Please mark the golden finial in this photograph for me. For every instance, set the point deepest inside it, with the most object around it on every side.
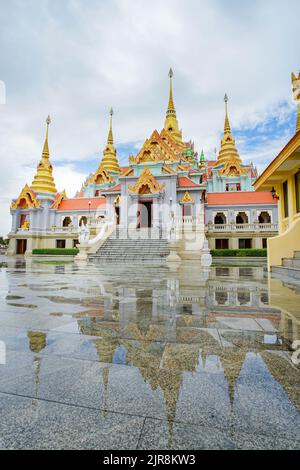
(226, 124)
(171, 107)
(110, 139)
(45, 153)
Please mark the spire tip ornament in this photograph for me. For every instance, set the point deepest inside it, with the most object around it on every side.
(170, 73)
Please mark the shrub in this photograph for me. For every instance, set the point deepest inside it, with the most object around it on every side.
(247, 252)
(55, 251)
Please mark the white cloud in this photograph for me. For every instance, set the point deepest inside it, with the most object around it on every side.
(74, 62)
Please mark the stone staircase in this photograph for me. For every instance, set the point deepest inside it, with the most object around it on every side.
(290, 267)
(133, 245)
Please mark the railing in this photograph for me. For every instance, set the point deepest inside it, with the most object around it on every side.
(256, 227)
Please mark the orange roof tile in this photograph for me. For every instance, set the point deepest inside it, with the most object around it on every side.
(184, 182)
(116, 188)
(240, 197)
(82, 204)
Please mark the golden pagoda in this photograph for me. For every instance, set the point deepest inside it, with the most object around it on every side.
(43, 181)
(171, 124)
(228, 149)
(109, 160)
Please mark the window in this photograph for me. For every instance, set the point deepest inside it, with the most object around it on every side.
(75, 242)
(60, 243)
(297, 187)
(245, 243)
(221, 272)
(83, 220)
(285, 199)
(241, 218)
(97, 192)
(221, 297)
(264, 218)
(264, 243)
(67, 221)
(220, 218)
(222, 243)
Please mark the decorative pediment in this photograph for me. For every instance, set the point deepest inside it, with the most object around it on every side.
(146, 184)
(186, 198)
(157, 148)
(101, 176)
(117, 201)
(59, 198)
(26, 199)
(233, 167)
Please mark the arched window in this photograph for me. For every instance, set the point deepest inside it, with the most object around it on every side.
(67, 221)
(264, 218)
(220, 218)
(241, 218)
(82, 220)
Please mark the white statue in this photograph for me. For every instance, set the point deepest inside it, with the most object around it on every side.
(84, 234)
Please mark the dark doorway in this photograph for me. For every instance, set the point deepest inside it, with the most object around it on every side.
(144, 214)
(117, 211)
(21, 247)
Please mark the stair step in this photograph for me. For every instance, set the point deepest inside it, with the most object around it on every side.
(132, 246)
(286, 271)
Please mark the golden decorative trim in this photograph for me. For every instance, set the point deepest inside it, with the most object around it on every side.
(58, 201)
(28, 196)
(146, 184)
(186, 198)
(233, 167)
(101, 176)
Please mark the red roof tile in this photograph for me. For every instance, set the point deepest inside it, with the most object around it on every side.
(116, 188)
(82, 204)
(184, 182)
(241, 197)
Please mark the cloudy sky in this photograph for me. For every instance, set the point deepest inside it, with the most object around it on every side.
(75, 59)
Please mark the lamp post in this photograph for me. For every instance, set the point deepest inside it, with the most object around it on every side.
(274, 194)
(89, 207)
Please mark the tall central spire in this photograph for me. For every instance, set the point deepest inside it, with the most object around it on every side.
(43, 181)
(171, 107)
(171, 123)
(109, 160)
(227, 129)
(228, 151)
(110, 139)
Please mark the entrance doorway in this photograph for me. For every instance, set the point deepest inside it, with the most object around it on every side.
(144, 217)
(21, 246)
(117, 212)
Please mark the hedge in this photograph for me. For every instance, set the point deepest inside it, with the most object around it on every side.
(55, 251)
(254, 253)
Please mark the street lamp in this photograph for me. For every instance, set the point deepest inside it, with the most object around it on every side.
(90, 202)
(273, 192)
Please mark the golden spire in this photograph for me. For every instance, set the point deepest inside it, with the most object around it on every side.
(109, 160)
(228, 152)
(43, 180)
(171, 107)
(110, 139)
(226, 123)
(171, 123)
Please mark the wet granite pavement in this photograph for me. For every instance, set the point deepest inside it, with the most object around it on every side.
(147, 357)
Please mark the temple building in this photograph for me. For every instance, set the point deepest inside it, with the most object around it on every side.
(282, 179)
(166, 190)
